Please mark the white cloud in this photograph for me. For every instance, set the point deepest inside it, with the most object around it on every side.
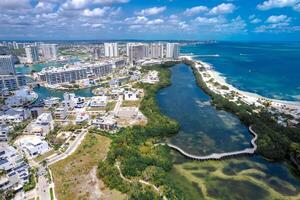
(155, 22)
(236, 25)
(81, 4)
(270, 4)
(44, 7)
(95, 12)
(110, 1)
(151, 11)
(278, 19)
(255, 21)
(297, 7)
(75, 4)
(14, 4)
(97, 26)
(277, 28)
(137, 20)
(195, 10)
(208, 21)
(49, 15)
(224, 8)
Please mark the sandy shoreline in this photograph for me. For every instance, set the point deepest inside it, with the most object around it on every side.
(287, 107)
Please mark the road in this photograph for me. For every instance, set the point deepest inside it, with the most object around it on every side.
(73, 146)
(118, 105)
(43, 186)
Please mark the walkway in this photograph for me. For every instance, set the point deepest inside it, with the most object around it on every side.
(140, 181)
(218, 156)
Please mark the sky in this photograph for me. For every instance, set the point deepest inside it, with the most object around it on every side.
(233, 20)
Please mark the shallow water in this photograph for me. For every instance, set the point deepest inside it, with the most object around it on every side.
(204, 129)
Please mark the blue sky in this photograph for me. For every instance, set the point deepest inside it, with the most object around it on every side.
(150, 19)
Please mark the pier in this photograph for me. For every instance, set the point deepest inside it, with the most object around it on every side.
(218, 156)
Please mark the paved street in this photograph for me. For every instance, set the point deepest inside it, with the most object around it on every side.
(43, 186)
(73, 146)
(118, 105)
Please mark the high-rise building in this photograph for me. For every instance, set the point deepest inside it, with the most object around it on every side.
(111, 50)
(49, 51)
(156, 50)
(8, 77)
(15, 45)
(7, 66)
(97, 53)
(172, 50)
(137, 51)
(32, 54)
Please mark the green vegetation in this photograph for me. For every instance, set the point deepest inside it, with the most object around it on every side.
(32, 180)
(235, 179)
(274, 141)
(55, 141)
(51, 194)
(133, 148)
(72, 176)
(131, 103)
(42, 157)
(18, 130)
(110, 106)
(7, 194)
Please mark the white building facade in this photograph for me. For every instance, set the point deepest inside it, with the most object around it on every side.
(111, 50)
(32, 54)
(137, 51)
(7, 66)
(172, 50)
(49, 51)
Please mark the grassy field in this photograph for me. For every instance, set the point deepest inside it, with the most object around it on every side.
(43, 156)
(76, 176)
(110, 106)
(131, 103)
(235, 179)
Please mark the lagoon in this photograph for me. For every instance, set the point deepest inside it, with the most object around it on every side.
(205, 130)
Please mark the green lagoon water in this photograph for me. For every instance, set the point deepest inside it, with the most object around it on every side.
(205, 130)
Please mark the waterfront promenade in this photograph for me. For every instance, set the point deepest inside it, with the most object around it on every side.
(218, 156)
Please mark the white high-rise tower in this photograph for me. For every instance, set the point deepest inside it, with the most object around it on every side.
(111, 50)
(172, 50)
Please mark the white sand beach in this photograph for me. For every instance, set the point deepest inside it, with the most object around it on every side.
(287, 107)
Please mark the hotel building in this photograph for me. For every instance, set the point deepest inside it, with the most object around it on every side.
(79, 71)
(137, 51)
(157, 50)
(111, 50)
(172, 50)
(8, 77)
(49, 51)
(7, 66)
(32, 54)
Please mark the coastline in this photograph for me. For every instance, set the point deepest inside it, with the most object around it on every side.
(283, 106)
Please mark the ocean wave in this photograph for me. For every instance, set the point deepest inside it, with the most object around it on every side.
(209, 55)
